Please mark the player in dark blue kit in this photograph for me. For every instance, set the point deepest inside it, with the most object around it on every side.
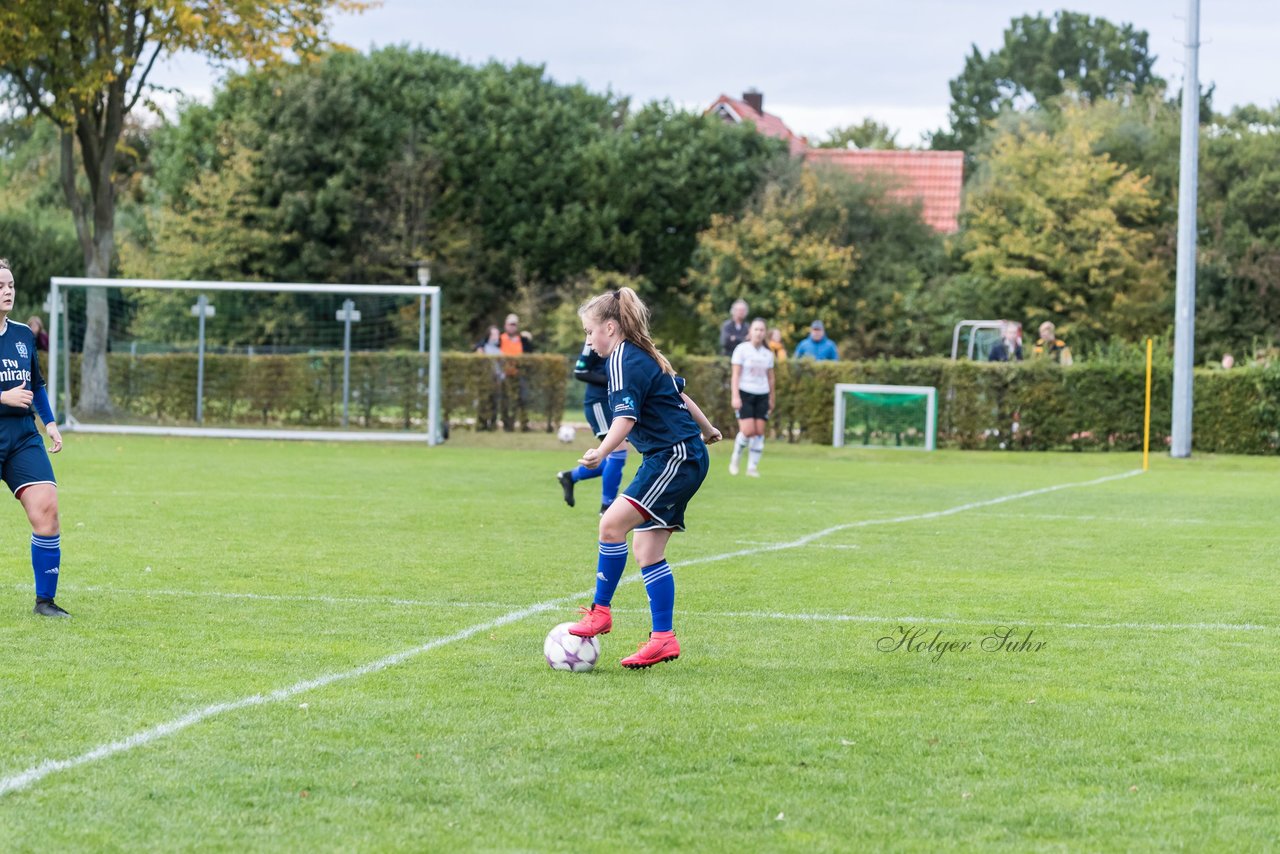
(649, 408)
(24, 465)
(590, 370)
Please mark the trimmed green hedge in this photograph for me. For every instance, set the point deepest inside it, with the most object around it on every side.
(387, 390)
(1089, 405)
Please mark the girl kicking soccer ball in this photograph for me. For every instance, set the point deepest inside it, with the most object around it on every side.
(649, 408)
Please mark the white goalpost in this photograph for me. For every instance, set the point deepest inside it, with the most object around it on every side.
(885, 416)
(255, 360)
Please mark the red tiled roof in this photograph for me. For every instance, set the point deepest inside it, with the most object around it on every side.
(934, 177)
(767, 123)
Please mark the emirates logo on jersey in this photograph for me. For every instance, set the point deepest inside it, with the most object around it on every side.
(22, 349)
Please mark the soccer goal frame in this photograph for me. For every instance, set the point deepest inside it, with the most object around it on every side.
(930, 393)
(59, 357)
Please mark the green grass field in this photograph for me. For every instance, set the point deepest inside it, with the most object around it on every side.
(228, 682)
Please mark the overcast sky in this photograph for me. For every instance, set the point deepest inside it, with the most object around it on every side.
(820, 64)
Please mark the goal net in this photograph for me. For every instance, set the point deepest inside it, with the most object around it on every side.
(247, 359)
(885, 416)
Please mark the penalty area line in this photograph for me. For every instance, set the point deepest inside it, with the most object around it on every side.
(36, 773)
(44, 769)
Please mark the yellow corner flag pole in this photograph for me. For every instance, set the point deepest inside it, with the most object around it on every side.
(1146, 417)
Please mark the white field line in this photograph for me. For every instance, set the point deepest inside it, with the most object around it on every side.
(36, 773)
(274, 597)
(1124, 520)
(816, 546)
(897, 520)
(810, 616)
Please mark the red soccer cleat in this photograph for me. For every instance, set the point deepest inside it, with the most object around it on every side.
(596, 620)
(661, 646)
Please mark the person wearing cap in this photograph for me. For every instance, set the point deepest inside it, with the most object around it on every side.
(817, 346)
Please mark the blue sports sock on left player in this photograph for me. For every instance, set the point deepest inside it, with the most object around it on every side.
(609, 569)
(613, 465)
(661, 587)
(584, 473)
(46, 554)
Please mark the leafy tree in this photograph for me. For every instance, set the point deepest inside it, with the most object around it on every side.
(889, 302)
(1040, 59)
(870, 134)
(1238, 251)
(510, 183)
(672, 173)
(777, 258)
(1238, 275)
(1055, 231)
(36, 234)
(37, 251)
(84, 66)
(862, 261)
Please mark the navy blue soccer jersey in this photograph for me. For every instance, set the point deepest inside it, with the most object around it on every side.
(19, 367)
(590, 370)
(641, 391)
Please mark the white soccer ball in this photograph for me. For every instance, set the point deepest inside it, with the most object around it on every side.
(567, 433)
(570, 652)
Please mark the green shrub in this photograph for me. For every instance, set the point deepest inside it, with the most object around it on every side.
(388, 390)
(1095, 405)
(1089, 405)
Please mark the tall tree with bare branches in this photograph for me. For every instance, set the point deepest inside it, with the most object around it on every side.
(84, 65)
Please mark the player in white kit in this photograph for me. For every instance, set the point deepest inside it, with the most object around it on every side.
(753, 396)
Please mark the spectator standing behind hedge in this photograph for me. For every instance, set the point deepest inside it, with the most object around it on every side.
(487, 418)
(817, 346)
(490, 345)
(37, 329)
(778, 349)
(734, 331)
(1049, 344)
(514, 342)
(1009, 347)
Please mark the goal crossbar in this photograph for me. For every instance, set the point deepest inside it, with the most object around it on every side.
(57, 305)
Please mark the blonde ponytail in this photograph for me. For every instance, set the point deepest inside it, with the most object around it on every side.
(625, 308)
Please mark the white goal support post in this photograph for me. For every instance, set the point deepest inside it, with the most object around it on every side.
(885, 416)
(253, 360)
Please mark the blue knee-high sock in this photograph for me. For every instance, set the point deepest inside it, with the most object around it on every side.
(584, 473)
(613, 465)
(46, 554)
(661, 587)
(609, 569)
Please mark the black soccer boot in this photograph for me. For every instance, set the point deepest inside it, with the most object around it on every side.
(48, 608)
(566, 483)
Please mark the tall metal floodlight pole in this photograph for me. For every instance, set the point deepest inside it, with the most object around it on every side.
(1184, 328)
(201, 309)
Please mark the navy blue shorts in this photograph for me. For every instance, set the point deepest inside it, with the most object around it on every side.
(665, 482)
(599, 417)
(23, 459)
